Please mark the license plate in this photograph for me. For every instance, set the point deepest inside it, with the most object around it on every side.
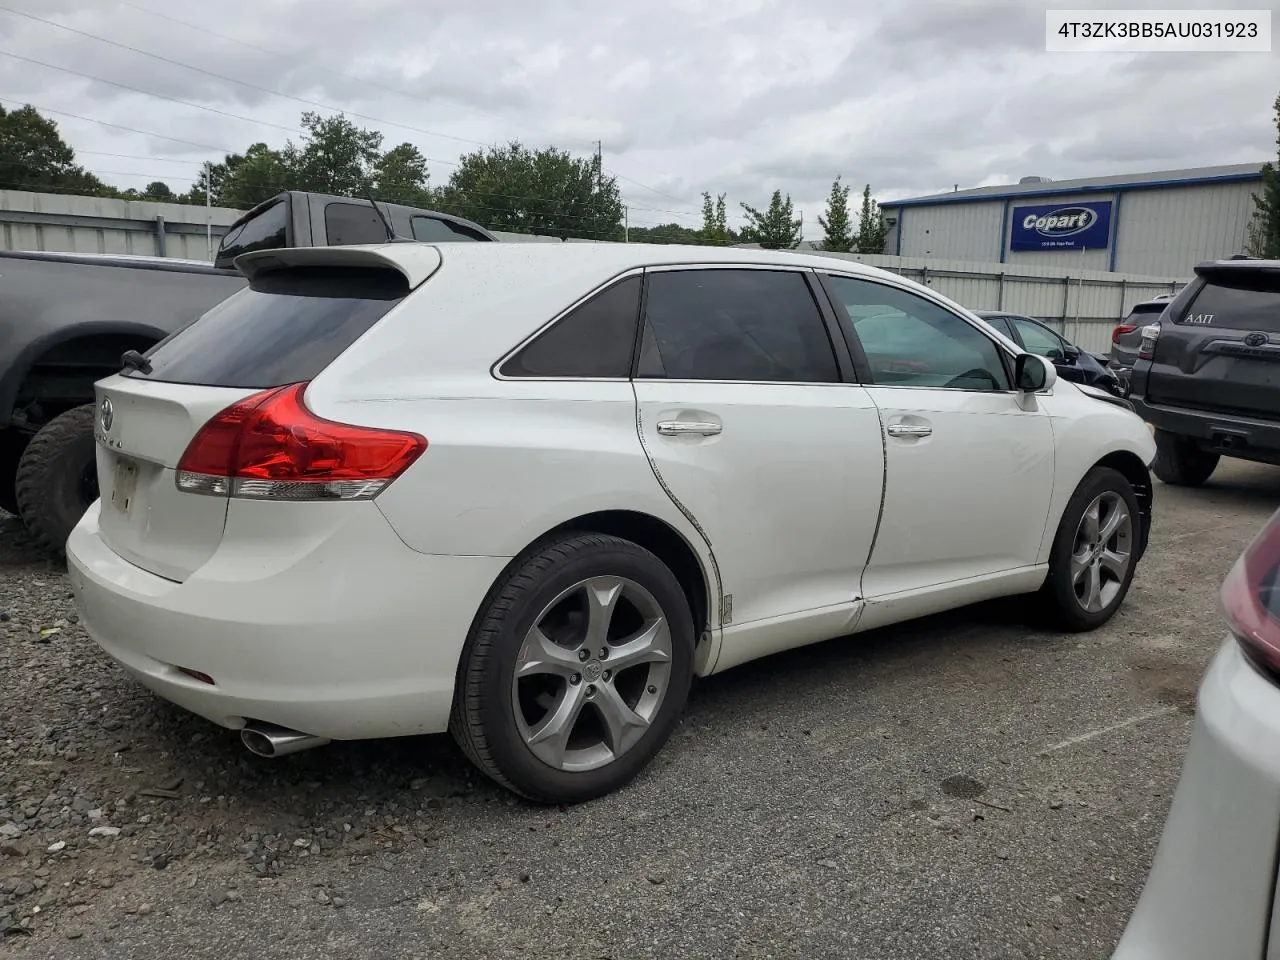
(126, 483)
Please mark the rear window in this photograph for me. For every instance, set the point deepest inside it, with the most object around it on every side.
(1147, 309)
(1247, 301)
(266, 230)
(285, 327)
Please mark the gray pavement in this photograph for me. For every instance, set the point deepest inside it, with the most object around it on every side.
(967, 786)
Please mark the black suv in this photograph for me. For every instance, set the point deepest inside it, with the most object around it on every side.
(1208, 375)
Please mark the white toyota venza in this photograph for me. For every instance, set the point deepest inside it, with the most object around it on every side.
(527, 492)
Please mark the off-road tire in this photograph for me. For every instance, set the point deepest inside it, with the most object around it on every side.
(12, 443)
(483, 721)
(50, 480)
(1058, 597)
(1180, 462)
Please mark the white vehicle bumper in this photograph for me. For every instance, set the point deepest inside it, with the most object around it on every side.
(1210, 890)
(347, 634)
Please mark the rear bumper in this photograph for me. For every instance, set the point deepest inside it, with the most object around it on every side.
(1212, 428)
(348, 635)
(1210, 890)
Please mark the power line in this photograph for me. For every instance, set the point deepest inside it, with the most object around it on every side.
(148, 93)
(227, 79)
(268, 90)
(117, 126)
(309, 63)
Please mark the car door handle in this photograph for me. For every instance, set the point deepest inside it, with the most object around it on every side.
(698, 428)
(909, 430)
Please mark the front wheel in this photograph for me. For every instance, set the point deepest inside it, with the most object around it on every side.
(576, 671)
(1094, 552)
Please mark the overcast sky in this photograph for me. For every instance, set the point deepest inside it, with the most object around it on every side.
(734, 96)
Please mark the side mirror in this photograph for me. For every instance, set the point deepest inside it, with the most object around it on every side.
(1071, 352)
(1033, 373)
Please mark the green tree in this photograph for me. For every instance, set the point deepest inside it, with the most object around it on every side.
(545, 191)
(666, 233)
(243, 180)
(715, 222)
(777, 228)
(871, 228)
(335, 156)
(400, 176)
(159, 191)
(33, 156)
(837, 226)
(1264, 230)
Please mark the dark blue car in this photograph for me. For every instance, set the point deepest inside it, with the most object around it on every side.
(1072, 363)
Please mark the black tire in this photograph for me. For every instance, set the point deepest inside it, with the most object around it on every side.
(1180, 462)
(57, 478)
(1062, 604)
(484, 722)
(12, 443)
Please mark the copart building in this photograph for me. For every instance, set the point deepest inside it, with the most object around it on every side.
(1155, 224)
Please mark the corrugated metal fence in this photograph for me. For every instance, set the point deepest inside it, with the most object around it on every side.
(1083, 305)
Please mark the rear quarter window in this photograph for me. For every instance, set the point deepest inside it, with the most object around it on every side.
(285, 327)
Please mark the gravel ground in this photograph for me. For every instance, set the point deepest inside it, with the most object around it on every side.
(966, 786)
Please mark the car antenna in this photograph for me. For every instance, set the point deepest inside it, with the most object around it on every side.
(391, 234)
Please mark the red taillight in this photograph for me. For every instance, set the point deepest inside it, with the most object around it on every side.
(1121, 330)
(270, 446)
(1251, 598)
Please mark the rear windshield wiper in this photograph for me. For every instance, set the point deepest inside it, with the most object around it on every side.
(136, 361)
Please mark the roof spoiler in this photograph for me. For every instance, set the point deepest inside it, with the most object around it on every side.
(416, 261)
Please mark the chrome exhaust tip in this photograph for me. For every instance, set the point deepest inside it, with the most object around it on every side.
(268, 740)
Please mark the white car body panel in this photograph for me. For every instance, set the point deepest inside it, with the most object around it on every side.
(1211, 887)
(790, 496)
(993, 454)
(787, 494)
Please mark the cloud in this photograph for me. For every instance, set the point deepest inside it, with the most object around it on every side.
(685, 95)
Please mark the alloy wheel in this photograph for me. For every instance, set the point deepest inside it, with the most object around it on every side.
(1103, 552)
(592, 673)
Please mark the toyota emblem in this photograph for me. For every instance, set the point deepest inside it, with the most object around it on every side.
(1256, 339)
(107, 414)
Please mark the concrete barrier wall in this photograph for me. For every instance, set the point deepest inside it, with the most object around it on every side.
(1081, 304)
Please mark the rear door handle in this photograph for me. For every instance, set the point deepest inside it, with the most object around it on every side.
(697, 428)
(909, 430)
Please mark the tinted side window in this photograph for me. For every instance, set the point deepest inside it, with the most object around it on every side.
(756, 325)
(1036, 339)
(285, 327)
(435, 230)
(348, 223)
(912, 342)
(1001, 323)
(267, 230)
(594, 340)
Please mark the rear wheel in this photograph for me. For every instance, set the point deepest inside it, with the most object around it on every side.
(1180, 462)
(57, 478)
(12, 443)
(1094, 552)
(576, 671)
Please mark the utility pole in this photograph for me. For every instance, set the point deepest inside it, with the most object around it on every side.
(208, 209)
(626, 224)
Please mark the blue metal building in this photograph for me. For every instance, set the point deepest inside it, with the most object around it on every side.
(1155, 224)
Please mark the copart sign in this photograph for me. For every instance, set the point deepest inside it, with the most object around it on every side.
(1061, 226)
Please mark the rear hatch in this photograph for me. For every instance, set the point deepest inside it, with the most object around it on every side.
(294, 319)
(1219, 345)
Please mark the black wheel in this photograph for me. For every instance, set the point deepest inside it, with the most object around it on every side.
(58, 478)
(1094, 552)
(576, 671)
(1180, 462)
(12, 443)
